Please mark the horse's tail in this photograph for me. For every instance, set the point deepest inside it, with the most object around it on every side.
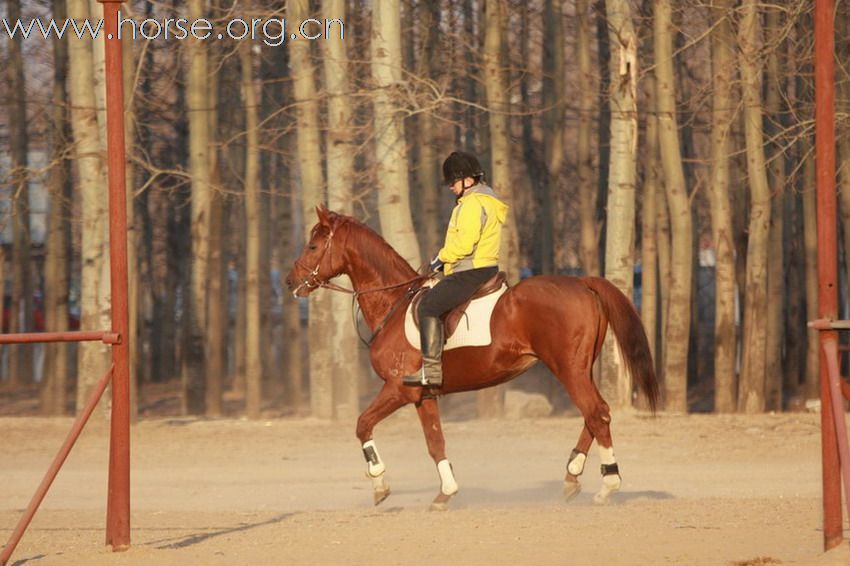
(631, 336)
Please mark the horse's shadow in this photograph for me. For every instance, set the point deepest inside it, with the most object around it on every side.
(547, 492)
(190, 540)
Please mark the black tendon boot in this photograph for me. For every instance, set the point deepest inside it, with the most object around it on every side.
(431, 335)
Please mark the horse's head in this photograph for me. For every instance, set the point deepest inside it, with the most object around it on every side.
(322, 258)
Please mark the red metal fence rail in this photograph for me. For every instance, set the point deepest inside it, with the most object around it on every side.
(118, 499)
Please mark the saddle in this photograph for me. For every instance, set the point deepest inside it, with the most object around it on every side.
(452, 318)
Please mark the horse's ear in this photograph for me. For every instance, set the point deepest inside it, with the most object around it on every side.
(322, 213)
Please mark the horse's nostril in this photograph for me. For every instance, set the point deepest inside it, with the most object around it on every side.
(288, 282)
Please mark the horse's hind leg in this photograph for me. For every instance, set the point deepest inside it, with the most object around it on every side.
(575, 465)
(429, 416)
(597, 419)
(389, 399)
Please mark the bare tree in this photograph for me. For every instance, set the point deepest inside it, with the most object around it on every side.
(775, 253)
(391, 151)
(198, 110)
(553, 130)
(340, 174)
(810, 237)
(133, 273)
(56, 278)
(589, 245)
(426, 132)
(723, 112)
(20, 313)
(93, 357)
(253, 351)
(649, 224)
(312, 194)
(678, 324)
(751, 385)
(217, 283)
(620, 225)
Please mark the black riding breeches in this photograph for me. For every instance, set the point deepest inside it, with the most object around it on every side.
(454, 290)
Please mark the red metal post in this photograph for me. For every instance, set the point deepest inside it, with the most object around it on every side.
(827, 257)
(830, 351)
(81, 421)
(118, 503)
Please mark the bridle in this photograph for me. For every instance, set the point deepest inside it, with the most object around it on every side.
(312, 281)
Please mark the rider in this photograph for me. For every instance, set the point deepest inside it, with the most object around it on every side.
(469, 257)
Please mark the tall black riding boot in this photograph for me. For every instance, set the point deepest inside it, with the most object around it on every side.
(431, 336)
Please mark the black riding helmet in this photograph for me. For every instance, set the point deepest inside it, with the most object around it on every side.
(460, 165)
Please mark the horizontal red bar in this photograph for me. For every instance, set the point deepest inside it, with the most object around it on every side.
(41, 337)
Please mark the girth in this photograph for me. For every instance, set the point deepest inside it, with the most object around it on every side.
(452, 318)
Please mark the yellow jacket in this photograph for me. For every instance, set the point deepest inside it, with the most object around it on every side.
(475, 230)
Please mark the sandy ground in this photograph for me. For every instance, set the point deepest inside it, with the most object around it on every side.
(696, 490)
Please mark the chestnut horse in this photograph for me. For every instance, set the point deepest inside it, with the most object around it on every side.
(557, 319)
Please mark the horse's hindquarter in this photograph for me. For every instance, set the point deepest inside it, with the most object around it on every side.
(562, 314)
(538, 313)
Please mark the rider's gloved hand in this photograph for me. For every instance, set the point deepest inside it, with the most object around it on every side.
(436, 264)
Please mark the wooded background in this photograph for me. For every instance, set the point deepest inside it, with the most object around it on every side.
(667, 145)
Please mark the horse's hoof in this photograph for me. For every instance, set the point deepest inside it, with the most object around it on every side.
(610, 484)
(571, 489)
(441, 502)
(604, 496)
(381, 494)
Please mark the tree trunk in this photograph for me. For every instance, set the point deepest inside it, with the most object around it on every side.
(678, 322)
(198, 110)
(217, 288)
(133, 272)
(491, 402)
(253, 350)
(795, 319)
(775, 252)
(293, 336)
(553, 131)
(93, 358)
(616, 384)
(810, 235)
(603, 128)
(341, 148)
(427, 171)
(20, 313)
(589, 244)
(723, 112)
(312, 194)
(56, 278)
(391, 151)
(649, 225)
(751, 386)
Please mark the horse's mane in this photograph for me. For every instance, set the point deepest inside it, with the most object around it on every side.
(376, 252)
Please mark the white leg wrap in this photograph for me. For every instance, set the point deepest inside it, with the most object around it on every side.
(606, 455)
(576, 465)
(374, 463)
(610, 481)
(448, 485)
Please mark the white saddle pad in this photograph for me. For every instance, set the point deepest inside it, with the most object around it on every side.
(473, 328)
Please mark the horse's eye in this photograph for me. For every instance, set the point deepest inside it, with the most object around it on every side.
(313, 247)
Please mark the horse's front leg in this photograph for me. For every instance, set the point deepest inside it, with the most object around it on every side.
(429, 416)
(389, 399)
